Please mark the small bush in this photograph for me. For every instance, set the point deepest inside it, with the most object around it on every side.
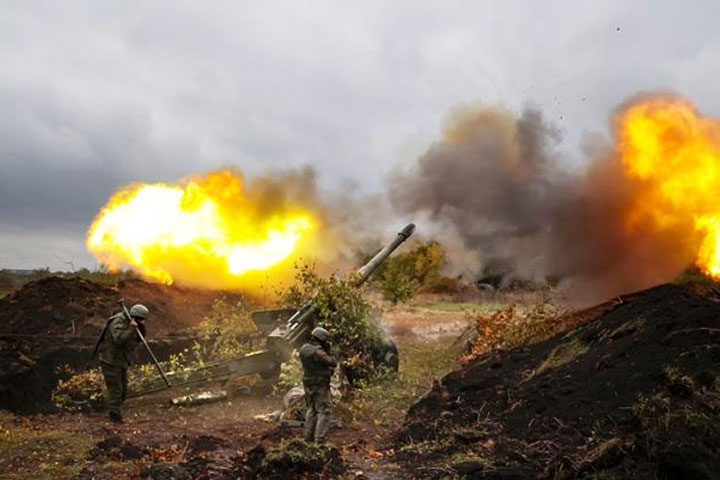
(404, 273)
(693, 275)
(454, 287)
(232, 329)
(511, 327)
(443, 285)
(398, 284)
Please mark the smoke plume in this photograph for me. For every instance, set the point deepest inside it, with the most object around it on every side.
(497, 181)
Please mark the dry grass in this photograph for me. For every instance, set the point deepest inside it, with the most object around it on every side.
(514, 326)
(386, 402)
(26, 452)
(562, 354)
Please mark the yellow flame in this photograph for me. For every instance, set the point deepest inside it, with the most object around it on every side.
(673, 155)
(206, 231)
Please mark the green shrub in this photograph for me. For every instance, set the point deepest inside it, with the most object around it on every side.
(398, 284)
(231, 328)
(404, 273)
(343, 310)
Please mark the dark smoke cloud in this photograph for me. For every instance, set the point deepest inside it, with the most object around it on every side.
(492, 181)
(497, 181)
(490, 177)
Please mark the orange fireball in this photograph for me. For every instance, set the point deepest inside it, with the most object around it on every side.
(672, 154)
(206, 231)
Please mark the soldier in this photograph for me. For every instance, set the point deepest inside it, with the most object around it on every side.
(318, 367)
(117, 342)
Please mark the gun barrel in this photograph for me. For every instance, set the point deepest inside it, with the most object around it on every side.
(366, 270)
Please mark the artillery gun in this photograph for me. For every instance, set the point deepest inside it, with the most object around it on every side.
(288, 330)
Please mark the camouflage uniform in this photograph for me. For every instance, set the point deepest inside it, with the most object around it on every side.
(116, 345)
(318, 368)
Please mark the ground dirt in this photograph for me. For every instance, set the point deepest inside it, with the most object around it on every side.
(630, 393)
(223, 440)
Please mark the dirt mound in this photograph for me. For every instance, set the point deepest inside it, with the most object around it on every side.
(294, 458)
(57, 306)
(196, 468)
(289, 459)
(204, 443)
(115, 448)
(629, 393)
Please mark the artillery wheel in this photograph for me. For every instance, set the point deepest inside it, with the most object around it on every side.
(271, 374)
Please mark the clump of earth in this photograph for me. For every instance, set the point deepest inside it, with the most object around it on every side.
(115, 448)
(294, 458)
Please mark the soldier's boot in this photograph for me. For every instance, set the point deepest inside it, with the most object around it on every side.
(115, 417)
(310, 422)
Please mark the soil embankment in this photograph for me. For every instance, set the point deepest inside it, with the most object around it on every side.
(633, 392)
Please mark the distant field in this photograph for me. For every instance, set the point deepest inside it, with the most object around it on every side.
(450, 306)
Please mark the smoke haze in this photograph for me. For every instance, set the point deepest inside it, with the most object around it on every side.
(496, 182)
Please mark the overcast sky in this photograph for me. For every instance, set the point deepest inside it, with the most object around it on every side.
(94, 95)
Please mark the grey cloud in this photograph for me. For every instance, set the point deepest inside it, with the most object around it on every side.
(41, 247)
(95, 95)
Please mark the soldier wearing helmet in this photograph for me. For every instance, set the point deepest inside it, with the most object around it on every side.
(318, 368)
(117, 342)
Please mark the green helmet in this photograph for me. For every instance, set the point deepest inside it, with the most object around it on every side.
(139, 311)
(321, 334)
